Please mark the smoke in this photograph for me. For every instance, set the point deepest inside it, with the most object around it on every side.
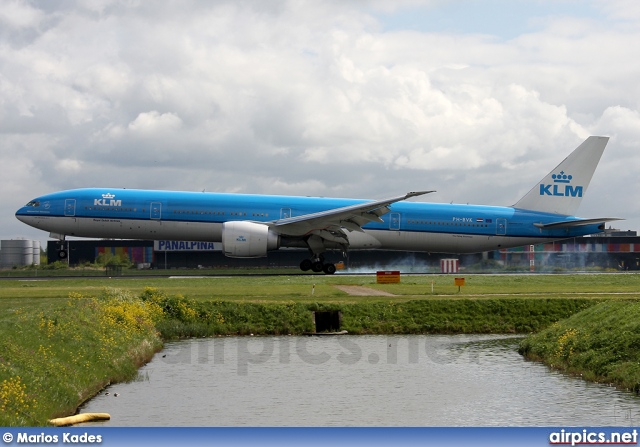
(407, 263)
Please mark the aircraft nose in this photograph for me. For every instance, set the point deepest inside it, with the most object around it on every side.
(25, 212)
(21, 214)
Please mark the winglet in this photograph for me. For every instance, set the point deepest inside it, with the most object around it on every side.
(416, 193)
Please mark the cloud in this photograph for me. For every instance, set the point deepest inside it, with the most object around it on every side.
(153, 123)
(17, 15)
(68, 166)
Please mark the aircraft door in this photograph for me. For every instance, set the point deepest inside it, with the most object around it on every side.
(156, 210)
(394, 221)
(285, 213)
(70, 207)
(501, 227)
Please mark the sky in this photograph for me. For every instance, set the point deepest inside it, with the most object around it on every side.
(477, 100)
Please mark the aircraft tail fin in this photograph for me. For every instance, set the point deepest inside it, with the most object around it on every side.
(561, 190)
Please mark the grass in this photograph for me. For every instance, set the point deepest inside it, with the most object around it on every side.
(91, 271)
(601, 344)
(62, 340)
(300, 287)
(52, 358)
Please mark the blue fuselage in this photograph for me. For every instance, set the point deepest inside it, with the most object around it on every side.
(415, 226)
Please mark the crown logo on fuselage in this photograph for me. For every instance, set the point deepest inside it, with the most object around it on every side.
(107, 200)
(556, 188)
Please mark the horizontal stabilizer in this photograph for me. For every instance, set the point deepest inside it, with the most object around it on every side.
(575, 223)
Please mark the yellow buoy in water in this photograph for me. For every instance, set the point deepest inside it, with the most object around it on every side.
(79, 419)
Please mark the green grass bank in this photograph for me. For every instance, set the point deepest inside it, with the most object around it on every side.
(53, 358)
(188, 318)
(56, 355)
(62, 340)
(600, 344)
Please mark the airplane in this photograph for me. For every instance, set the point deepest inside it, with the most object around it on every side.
(251, 225)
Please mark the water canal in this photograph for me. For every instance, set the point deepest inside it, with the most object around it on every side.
(417, 380)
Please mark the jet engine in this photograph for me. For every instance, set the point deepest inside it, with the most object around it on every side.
(243, 239)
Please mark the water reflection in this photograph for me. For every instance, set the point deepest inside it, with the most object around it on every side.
(358, 381)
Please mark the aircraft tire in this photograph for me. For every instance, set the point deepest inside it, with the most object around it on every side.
(62, 254)
(305, 265)
(329, 269)
(317, 266)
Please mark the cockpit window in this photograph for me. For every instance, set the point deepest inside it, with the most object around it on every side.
(34, 203)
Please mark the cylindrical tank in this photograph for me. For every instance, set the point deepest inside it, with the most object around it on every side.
(27, 252)
(11, 253)
(17, 253)
(36, 252)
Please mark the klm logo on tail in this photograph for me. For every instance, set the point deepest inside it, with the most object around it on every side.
(561, 187)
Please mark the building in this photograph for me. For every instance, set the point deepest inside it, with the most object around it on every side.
(613, 249)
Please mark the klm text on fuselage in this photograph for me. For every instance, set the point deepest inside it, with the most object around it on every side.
(105, 202)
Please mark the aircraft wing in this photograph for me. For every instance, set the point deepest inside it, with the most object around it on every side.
(574, 223)
(329, 224)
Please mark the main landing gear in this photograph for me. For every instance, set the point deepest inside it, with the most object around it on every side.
(317, 265)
